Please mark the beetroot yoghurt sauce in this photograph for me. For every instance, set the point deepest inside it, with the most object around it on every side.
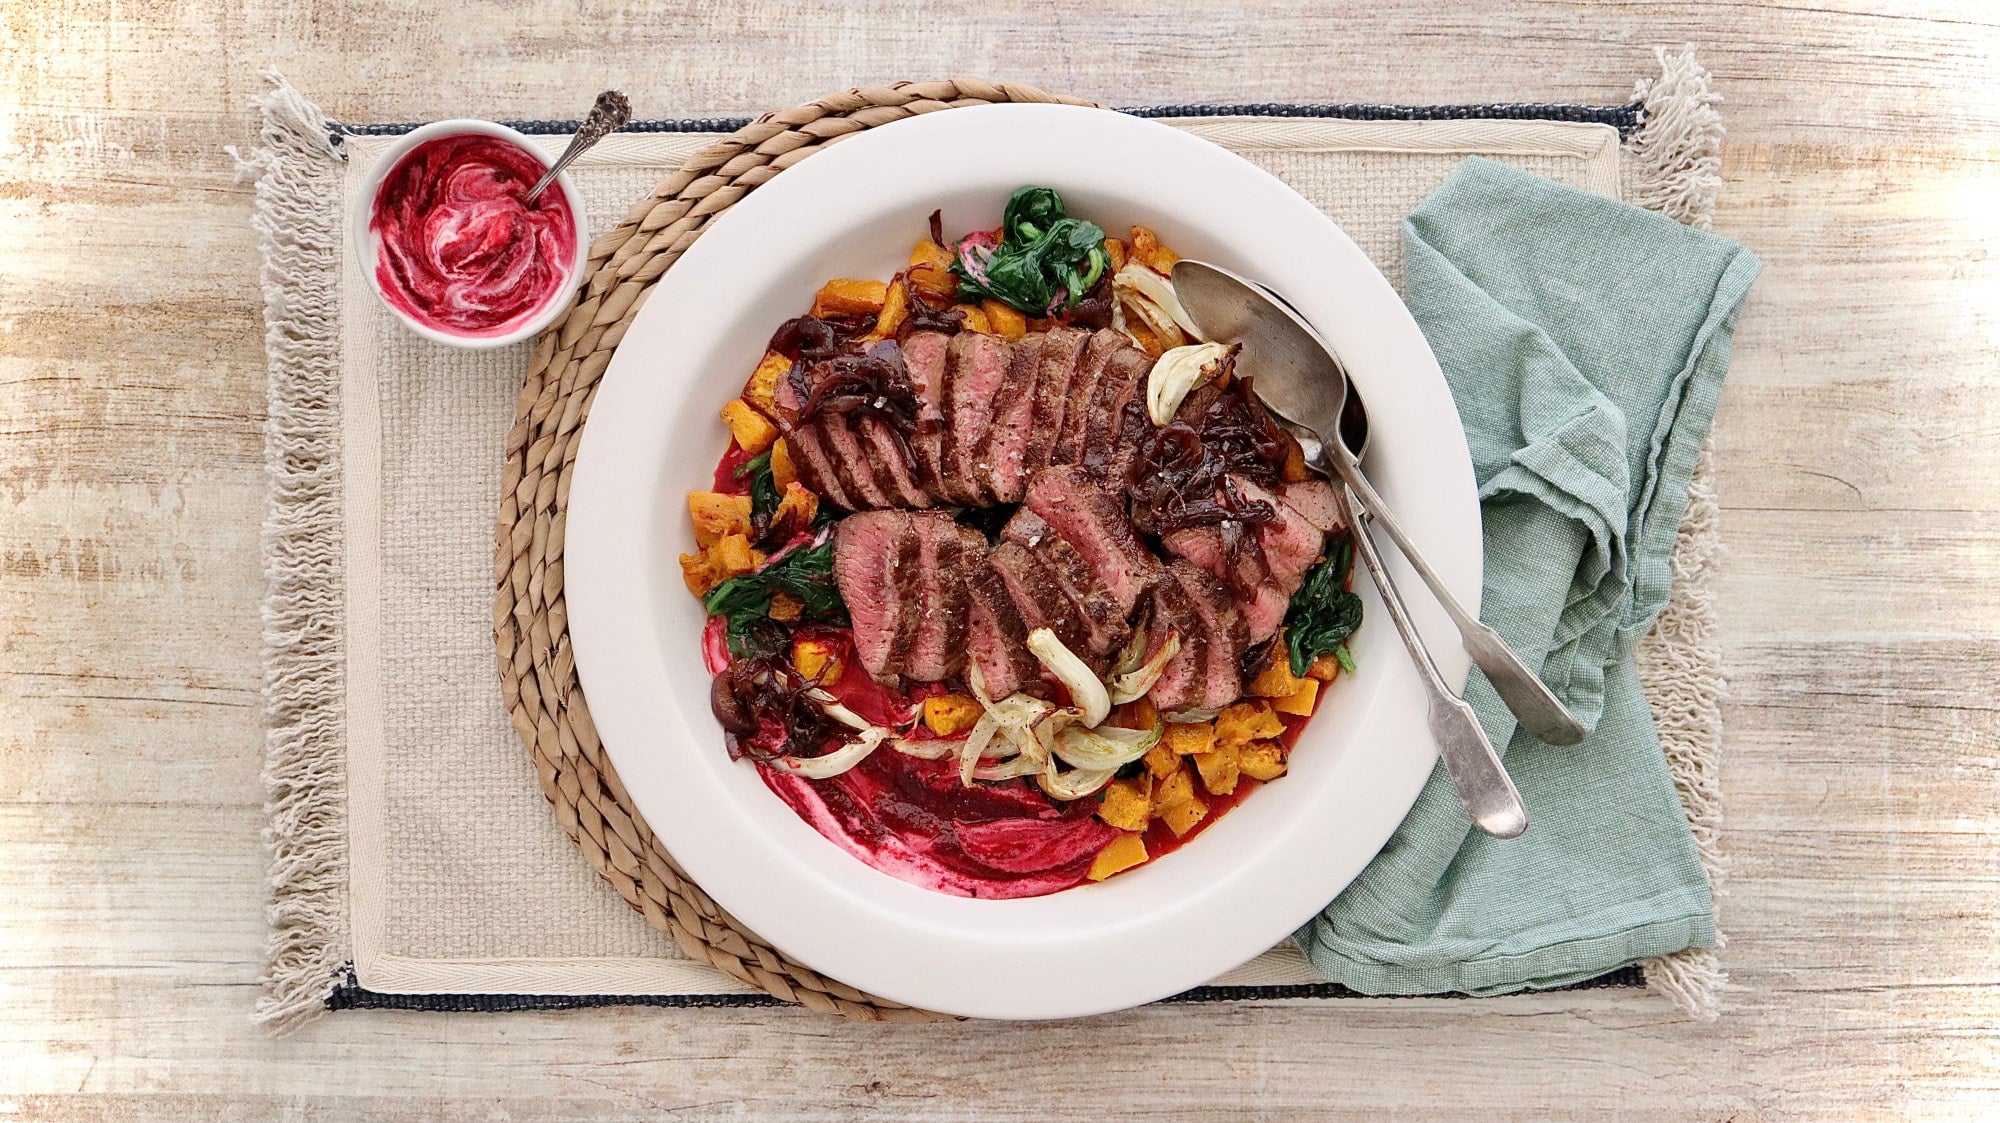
(460, 251)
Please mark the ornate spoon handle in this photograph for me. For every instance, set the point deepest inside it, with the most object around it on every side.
(608, 115)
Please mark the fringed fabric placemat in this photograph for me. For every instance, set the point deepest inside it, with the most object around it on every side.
(416, 864)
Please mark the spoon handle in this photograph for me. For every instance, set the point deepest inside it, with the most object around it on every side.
(1540, 712)
(609, 114)
(1477, 775)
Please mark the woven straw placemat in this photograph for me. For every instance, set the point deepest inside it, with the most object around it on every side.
(415, 863)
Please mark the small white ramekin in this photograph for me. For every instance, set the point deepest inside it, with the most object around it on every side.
(367, 244)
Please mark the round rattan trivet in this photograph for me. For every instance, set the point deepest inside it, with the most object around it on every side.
(530, 621)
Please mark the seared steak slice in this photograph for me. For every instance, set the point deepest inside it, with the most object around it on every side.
(1262, 600)
(1104, 623)
(1123, 379)
(1062, 350)
(1040, 601)
(817, 469)
(1003, 452)
(891, 465)
(1315, 500)
(875, 565)
(1111, 461)
(1291, 543)
(1181, 683)
(1098, 351)
(947, 553)
(1095, 524)
(996, 639)
(978, 364)
(923, 358)
(851, 460)
(1222, 680)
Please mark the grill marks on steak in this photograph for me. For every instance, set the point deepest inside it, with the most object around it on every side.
(1004, 449)
(1223, 631)
(996, 639)
(977, 365)
(1098, 351)
(946, 552)
(1038, 599)
(1105, 626)
(1062, 350)
(902, 575)
(1095, 524)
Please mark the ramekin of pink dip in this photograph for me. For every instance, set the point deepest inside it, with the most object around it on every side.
(445, 239)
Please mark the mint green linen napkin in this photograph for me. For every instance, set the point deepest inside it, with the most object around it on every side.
(1585, 341)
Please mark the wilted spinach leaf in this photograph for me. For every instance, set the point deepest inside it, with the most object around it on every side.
(1323, 613)
(805, 573)
(1044, 259)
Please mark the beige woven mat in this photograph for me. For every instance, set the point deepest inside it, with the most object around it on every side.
(447, 874)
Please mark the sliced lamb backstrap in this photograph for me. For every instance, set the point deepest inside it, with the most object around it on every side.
(1062, 350)
(1004, 450)
(1105, 625)
(948, 553)
(809, 452)
(1222, 626)
(923, 359)
(977, 366)
(876, 566)
(1182, 683)
(1098, 352)
(1040, 602)
(1095, 524)
(996, 639)
(1262, 597)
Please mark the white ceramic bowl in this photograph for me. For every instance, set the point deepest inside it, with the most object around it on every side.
(652, 436)
(367, 244)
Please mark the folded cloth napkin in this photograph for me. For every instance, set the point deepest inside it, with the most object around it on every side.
(1585, 341)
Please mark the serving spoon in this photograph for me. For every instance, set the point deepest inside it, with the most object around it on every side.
(1302, 381)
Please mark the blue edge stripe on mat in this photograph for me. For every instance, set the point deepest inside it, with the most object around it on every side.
(349, 994)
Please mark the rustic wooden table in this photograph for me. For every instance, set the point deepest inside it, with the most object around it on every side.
(1859, 446)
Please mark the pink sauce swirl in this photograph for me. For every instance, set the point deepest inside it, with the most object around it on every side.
(460, 252)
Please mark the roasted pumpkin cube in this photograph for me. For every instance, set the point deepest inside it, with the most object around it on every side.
(716, 516)
(733, 556)
(1137, 714)
(1247, 721)
(762, 389)
(1218, 769)
(1121, 853)
(895, 309)
(1161, 760)
(1261, 760)
(817, 660)
(1128, 804)
(1299, 703)
(975, 318)
(752, 430)
(786, 607)
(1176, 787)
(930, 271)
(1325, 668)
(1182, 817)
(699, 575)
(847, 297)
(1004, 320)
(1147, 248)
(948, 715)
(1144, 337)
(794, 514)
(784, 473)
(1277, 680)
(1189, 737)
(1116, 251)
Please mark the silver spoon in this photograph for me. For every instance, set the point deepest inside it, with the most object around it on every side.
(608, 115)
(1298, 376)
